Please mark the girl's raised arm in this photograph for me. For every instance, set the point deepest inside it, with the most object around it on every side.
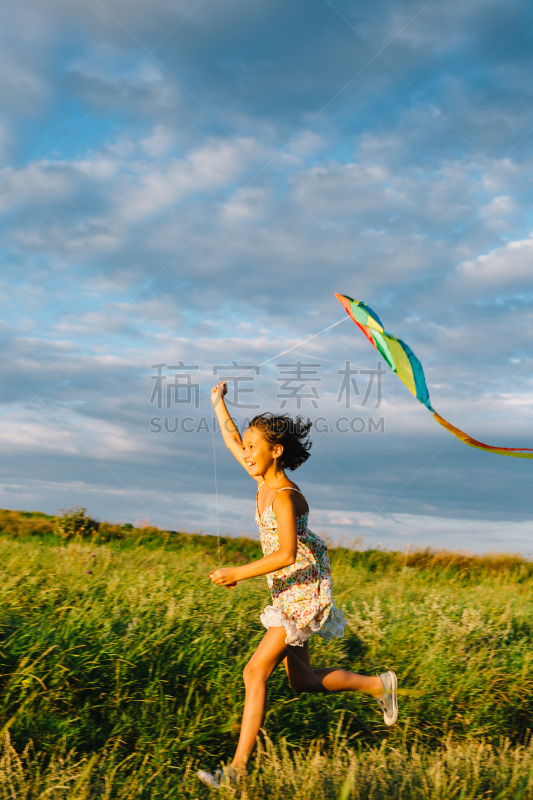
(230, 433)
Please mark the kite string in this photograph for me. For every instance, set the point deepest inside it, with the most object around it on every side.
(290, 348)
(216, 486)
(244, 373)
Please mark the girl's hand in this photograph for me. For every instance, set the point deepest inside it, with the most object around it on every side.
(218, 392)
(224, 577)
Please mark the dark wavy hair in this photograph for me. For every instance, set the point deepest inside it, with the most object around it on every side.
(291, 433)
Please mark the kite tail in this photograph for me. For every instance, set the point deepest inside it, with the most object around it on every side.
(515, 452)
(408, 368)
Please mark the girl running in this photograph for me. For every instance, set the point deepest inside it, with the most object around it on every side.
(298, 572)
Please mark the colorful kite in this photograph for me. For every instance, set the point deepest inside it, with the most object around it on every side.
(406, 365)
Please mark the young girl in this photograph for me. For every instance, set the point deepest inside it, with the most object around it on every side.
(299, 577)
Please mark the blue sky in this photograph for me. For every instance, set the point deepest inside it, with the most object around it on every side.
(192, 181)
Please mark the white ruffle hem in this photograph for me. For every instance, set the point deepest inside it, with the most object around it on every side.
(332, 628)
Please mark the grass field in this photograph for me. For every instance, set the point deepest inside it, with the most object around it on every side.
(121, 671)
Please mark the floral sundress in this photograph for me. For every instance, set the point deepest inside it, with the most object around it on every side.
(302, 600)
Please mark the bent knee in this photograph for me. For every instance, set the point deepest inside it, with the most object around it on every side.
(252, 674)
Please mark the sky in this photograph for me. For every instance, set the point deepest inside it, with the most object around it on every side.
(187, 184)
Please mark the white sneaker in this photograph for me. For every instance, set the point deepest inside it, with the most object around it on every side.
(219, 778)
(388, 702)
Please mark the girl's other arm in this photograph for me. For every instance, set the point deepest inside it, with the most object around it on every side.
(283, 557)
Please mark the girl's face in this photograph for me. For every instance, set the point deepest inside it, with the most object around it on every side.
(259, 455)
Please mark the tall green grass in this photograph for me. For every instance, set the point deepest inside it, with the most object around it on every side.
(120, 670)
(461, 771)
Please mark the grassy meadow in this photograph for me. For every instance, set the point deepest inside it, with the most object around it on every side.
(121, 664)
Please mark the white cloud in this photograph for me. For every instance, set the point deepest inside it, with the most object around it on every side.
(159, 143)
(206, 169)
(308, 143)
(509, 266)
(499, 207)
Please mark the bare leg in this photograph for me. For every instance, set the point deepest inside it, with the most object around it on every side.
(266, 658)
(303, 678)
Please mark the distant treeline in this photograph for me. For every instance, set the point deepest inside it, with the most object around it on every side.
(76, 524)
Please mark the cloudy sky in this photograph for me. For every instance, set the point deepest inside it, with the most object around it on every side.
(187, 184)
